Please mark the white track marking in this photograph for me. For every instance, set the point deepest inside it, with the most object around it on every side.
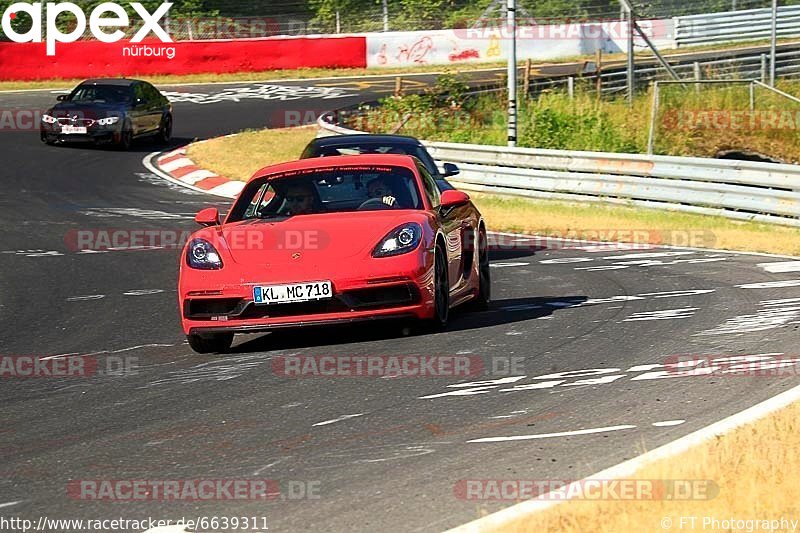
(602, 267)
(147, 214)
(343, 417)
(566, 260)
(773, 314)
(771, 284)
(664, 314)
(503, 265)
(58, 356)
(646, 255)
(85, 298)
(552, 435)
(675, 294)
(781, 267)
(143, 292)
(668, 423)
(9, 504)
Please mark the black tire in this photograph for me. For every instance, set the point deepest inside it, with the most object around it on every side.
(47, 140)
(211, 343)
(125, 137)
(441, 299)
(484, 296)
(165, 130)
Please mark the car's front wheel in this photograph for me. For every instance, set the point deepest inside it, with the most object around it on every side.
(165, 129)
(47, 139)
(210, 343)
(125, 136)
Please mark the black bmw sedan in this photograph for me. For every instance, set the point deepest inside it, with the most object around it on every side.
(108, 111)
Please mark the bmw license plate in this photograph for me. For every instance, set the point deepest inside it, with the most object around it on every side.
(294, 292)
(67, 128)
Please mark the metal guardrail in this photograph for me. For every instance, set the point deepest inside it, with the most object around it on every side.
(713, 28)
(763, 192)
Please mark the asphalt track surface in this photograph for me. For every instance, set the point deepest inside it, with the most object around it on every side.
(393, 467)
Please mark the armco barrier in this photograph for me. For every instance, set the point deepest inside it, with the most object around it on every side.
(83, 59)
(764, 192)
(712, 28)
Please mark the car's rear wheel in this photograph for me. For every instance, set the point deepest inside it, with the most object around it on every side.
(484, 295)
(165, 129)
(441, 295)
(125, 137)
(210, 343)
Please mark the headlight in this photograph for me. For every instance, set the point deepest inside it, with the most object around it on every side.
(400, 240)
(108, 121)
(202, 254)
(47, 119)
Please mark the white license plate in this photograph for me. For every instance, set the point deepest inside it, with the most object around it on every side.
(73, 129)
(294, 292)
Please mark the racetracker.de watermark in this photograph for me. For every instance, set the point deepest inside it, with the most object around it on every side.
(66, 366)
(585, 489)
(193, 489)
(610, 238)
(747, 366)
(560, 29)
(371, 366)
(120, 239)
(723, 119)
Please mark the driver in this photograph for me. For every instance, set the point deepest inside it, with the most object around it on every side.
(300, 199)
(378, 189)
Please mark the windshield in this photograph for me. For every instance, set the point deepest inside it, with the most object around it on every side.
(356, 148)
(112, 94)
(328, 190)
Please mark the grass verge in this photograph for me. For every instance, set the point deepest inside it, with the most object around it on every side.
(754, 467)
(239, 156)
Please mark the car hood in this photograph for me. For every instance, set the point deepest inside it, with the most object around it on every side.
(311, 238)
(87, 110)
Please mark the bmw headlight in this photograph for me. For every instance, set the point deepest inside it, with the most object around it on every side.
(400, 240)
(108, 121)
(202, 254)
(47, 119)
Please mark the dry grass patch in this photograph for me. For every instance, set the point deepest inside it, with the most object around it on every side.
(559, 219)
(239, 156)
(754, 467)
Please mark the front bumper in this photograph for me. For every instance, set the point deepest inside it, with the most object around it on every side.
(230, 308)
(94, 134)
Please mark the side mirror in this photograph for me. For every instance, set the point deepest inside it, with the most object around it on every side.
(453, 198)
(450, 170)
(62, 97)
(208, 217)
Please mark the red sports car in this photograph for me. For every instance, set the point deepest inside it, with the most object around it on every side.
(333, 240)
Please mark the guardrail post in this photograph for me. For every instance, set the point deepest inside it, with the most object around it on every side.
(398, 86)
(526, 78)
(651, 138)
(571, 87)
(697, 76)
(763, 68)
(598, 72)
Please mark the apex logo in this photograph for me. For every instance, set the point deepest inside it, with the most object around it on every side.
(98, 21)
